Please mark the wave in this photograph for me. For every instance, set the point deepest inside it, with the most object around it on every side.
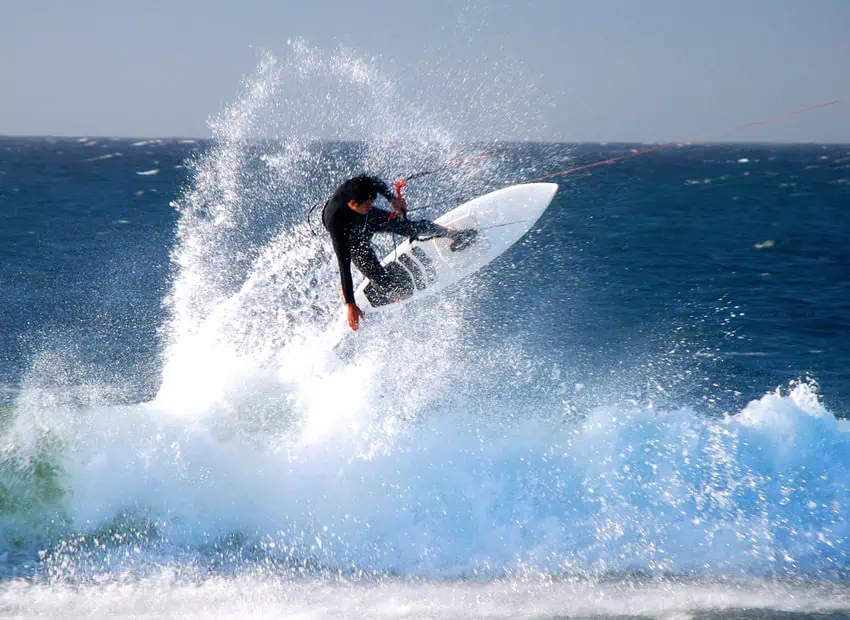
(453, 493)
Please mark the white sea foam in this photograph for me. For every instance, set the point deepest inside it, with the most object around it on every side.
(169, 595)
(375, 485)
(102, 157)
(146, 142)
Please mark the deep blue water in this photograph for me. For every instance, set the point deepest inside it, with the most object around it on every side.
(85, 246)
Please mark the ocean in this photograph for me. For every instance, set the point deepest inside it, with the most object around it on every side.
(639, 411)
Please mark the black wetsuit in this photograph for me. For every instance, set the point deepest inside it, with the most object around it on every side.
(352, 232)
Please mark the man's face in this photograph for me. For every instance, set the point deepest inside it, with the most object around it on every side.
(361, 207)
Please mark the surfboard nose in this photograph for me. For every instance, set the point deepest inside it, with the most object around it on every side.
(543, 191)
(527, 200)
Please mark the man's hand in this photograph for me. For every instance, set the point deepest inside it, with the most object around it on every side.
(399, 205)
(354, 315)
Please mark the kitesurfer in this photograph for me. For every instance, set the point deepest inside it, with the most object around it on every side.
(351, 219)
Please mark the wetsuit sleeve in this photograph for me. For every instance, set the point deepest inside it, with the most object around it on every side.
(343, 257)
(380, 221)
(383, 189)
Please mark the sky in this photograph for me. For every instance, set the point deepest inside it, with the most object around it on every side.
(550, 70)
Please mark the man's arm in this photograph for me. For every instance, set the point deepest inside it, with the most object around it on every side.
(343, 257)
(398, 203)
(382, 188)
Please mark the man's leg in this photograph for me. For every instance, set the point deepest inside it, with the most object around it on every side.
(383, 221)
(380, 221)
(369, 265)
(390, 283)
(461, 239)
(426, 228)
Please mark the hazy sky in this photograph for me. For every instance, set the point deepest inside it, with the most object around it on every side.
(590, 70)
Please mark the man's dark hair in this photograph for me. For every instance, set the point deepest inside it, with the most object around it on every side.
(361, 189)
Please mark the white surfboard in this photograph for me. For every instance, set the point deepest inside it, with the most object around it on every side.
(426, 267)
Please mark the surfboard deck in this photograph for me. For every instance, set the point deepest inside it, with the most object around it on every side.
(501, 217)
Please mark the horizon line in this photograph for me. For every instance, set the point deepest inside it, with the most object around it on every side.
(81, 137)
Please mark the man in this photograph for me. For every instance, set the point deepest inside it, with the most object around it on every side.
(351, 220)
